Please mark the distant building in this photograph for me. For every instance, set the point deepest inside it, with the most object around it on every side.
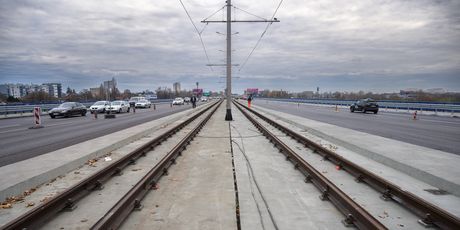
(96, 92)
(436, 90)
(176, 87)
(4, 89)
(54, 89)
(408, 93)
(110, 85)
(14, 90)
(22, 90)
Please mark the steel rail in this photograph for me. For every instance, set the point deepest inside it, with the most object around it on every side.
(132, 200)
(37, 216)
(430, 214)
(353, 212)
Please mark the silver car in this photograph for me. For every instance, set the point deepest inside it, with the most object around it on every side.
(99, 107)
(118, 107)
(143, 104)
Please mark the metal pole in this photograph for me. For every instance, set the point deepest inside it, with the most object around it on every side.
(228, 115)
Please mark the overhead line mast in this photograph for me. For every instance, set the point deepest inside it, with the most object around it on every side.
(228, 115)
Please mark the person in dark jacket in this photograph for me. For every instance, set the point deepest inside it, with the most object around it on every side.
(193, 100)
(132, 105)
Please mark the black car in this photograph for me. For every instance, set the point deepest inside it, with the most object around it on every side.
(365, 105)
(68, 109)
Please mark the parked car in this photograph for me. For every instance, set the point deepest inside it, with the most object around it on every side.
(68, 109)
(178, 101)
(118, 107)
(365, 105)
(204, 99)
(143, 104)
(99, 107)
(187, 100)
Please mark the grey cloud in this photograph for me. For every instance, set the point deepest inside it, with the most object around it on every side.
(154, 41)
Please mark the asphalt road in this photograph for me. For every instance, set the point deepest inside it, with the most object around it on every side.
(18, 142)
(442, 133)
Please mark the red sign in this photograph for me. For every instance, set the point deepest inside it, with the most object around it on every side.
(252, 91)
(197, 91)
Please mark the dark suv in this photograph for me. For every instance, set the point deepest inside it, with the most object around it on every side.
(365, 105)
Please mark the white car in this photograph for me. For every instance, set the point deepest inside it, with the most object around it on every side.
(143, 104)
(178, 101)
(118, 107)
(204, 99)
(99, 107)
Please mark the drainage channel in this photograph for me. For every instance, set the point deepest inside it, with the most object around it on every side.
(68, 199)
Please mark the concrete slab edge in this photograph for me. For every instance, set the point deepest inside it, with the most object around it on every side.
(40, 179)
(416, 173)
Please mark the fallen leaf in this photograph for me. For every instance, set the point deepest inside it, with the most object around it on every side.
(5, 206)
(30, 204)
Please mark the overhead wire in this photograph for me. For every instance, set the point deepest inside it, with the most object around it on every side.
(214, 13)
(261, 36)
(250, 13)
(198, 32)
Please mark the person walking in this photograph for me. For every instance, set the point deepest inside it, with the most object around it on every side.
(249, 100)
(193, 100)
(132, 105)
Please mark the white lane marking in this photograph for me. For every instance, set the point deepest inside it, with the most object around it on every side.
(13, 130)
(9, 126)
(66, 123)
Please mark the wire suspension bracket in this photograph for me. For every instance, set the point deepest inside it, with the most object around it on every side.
(229, 21)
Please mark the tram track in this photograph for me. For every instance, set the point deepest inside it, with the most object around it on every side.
(68, 199)
(429, 215)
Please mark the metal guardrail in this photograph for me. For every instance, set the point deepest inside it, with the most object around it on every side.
(420, 106)
(21, 109)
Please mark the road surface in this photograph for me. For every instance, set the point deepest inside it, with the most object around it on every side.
(18, 142)
(442, 133)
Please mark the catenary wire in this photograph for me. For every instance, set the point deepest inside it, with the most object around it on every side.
(260, 38)
(250, 13)
(198, 32)
(214, 13)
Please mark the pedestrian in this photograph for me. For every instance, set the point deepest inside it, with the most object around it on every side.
(193, 100)
(249, 100)
(132, 104)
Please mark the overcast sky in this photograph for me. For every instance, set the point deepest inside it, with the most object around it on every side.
(370, 45)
